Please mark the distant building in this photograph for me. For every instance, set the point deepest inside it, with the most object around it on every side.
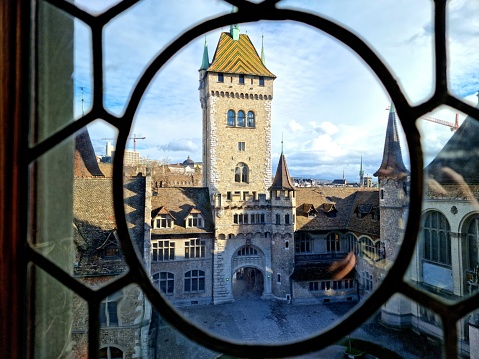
(131, 158)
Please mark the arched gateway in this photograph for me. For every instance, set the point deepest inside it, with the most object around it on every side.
(248, 268)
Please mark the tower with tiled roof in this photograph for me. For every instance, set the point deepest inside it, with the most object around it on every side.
(236, 92)
(283, 208)
(393, 202)
(393, 184)
(254, 233)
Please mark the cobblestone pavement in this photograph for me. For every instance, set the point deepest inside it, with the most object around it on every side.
(251, 319)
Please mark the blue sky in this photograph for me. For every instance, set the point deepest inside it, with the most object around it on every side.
(327, 105)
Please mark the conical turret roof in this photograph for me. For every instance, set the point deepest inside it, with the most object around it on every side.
(392, 164)
(282, 180)
(461, 154)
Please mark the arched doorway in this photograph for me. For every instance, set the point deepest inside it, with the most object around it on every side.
(248, 282)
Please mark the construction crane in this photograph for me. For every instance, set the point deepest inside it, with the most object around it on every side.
(134, 138)
(453, 126)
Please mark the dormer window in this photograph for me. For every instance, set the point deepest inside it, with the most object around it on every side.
(195, 220)
(163, 221)
(110, 248)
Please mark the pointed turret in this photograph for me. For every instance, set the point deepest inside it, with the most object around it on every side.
(392, 164)
(234, 28)
(282, 180)
(263, 58)
(205, 62)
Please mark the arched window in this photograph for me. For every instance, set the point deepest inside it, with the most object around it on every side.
(369, 249)
(240, 120)
(437, 238)
(353, 245)
(241, 173)
(303, 242)
(164, 282)
(472, 235)
(231, 118)
(194, 281)
(333, 242)
(250, 121)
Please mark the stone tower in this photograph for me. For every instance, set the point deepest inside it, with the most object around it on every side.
(253, 237)
(283, 206)
(393, 201)
(236, 91)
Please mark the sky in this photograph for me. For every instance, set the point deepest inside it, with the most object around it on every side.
(328, 107)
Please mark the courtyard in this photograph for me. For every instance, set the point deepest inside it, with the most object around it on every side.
(253, 320)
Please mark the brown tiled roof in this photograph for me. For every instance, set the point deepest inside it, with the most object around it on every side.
(345, 200)
(94, 221)
(460, 155)
(180, 202)
(282, 179)
(366, 204)
(85, 162)
(237, 57)
(392, 164)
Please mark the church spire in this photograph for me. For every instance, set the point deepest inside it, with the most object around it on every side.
(205, 62)
(361, 172)
(263, 58)
(392, 164)
(234, 28)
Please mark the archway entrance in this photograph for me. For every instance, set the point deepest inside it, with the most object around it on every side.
(248, 282)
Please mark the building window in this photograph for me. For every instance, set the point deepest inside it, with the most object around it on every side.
(333, 242)
(111, 251)
(437, 238)
(195, 248)
(349, 283)
(163, 250)
(261, 80)
(109, 311)
(241, 146)
(367, 281)
(286, 244)
(221, 77)
(278, 218)
(369, 249)
(240, 119)
(241, 173)
(247, 251)
(163, 221)
(195, 220)
(353, 244)
(279, 278)
(164, 282)
(241, 79)
(382, 193)
(250, 121)
(230, 120)
(472, 236)
(228, 196)
(303, 243)
(286, 219)
(110, 353)
(194, 281)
